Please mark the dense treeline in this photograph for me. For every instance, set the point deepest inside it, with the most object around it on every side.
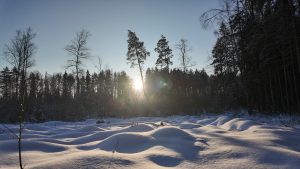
(257, 54)
(52, 96)
(176, 91)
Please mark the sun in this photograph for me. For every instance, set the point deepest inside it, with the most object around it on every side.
(137, 85)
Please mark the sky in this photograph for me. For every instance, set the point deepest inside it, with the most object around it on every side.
(56, 21)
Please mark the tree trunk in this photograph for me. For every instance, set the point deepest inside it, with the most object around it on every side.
(77, 77)
(296, 39)
(20, 141)
(17, 86)
(281, 93)
(296, 90)
(142, 77)
(271, 92)
(286, 89)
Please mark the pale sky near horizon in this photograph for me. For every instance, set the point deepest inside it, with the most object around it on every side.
(56, 21)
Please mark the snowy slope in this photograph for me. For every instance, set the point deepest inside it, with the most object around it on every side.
(209, 141)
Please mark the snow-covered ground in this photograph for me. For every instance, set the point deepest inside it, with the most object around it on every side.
(207, 141)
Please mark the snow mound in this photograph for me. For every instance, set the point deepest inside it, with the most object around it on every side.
(297, 127)
(101, 135)
(56, 123)
(165, 161)
(98, 136)
(207, 141)
(171, 132)
(135, 142)
(11, 146)
(69, 134)
(138, 128)
(220, 120)
(33, 136)
(127, 143)
(206, 121)
(37, 127)
(238, 124)
(90, 128)
(13, 129)
(189, 125)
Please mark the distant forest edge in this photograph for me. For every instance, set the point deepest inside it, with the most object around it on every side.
(256, 61)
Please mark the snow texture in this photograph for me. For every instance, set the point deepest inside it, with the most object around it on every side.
(206, 141)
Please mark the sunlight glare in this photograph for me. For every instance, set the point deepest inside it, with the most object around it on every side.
(137, 85)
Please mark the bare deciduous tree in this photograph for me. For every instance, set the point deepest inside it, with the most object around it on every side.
(185, 60)
(99, 65)
(217, 15)
(79, 52)
(19, 53)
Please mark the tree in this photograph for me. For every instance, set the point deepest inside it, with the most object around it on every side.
(164, 53)
(32, 97)
(46, 92)
(256, 56)
(88, 93)
(79, 52)
(99, 64)
(33, 85)
(223, 53)
(136, 54)
(185, 59)
(19, 53)
(66, 92)
(6, 83)
(88, 84)
(218, 15)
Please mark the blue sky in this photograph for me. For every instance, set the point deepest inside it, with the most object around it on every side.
(56, 21)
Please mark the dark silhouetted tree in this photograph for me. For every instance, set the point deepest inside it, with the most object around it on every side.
(164, 53)
(136, 54)
(6, 81)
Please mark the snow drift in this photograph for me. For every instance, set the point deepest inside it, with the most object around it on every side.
(144, 142)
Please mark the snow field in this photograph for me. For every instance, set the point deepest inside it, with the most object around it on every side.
(209, 141)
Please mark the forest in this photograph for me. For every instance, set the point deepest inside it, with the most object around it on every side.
(256, 63)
